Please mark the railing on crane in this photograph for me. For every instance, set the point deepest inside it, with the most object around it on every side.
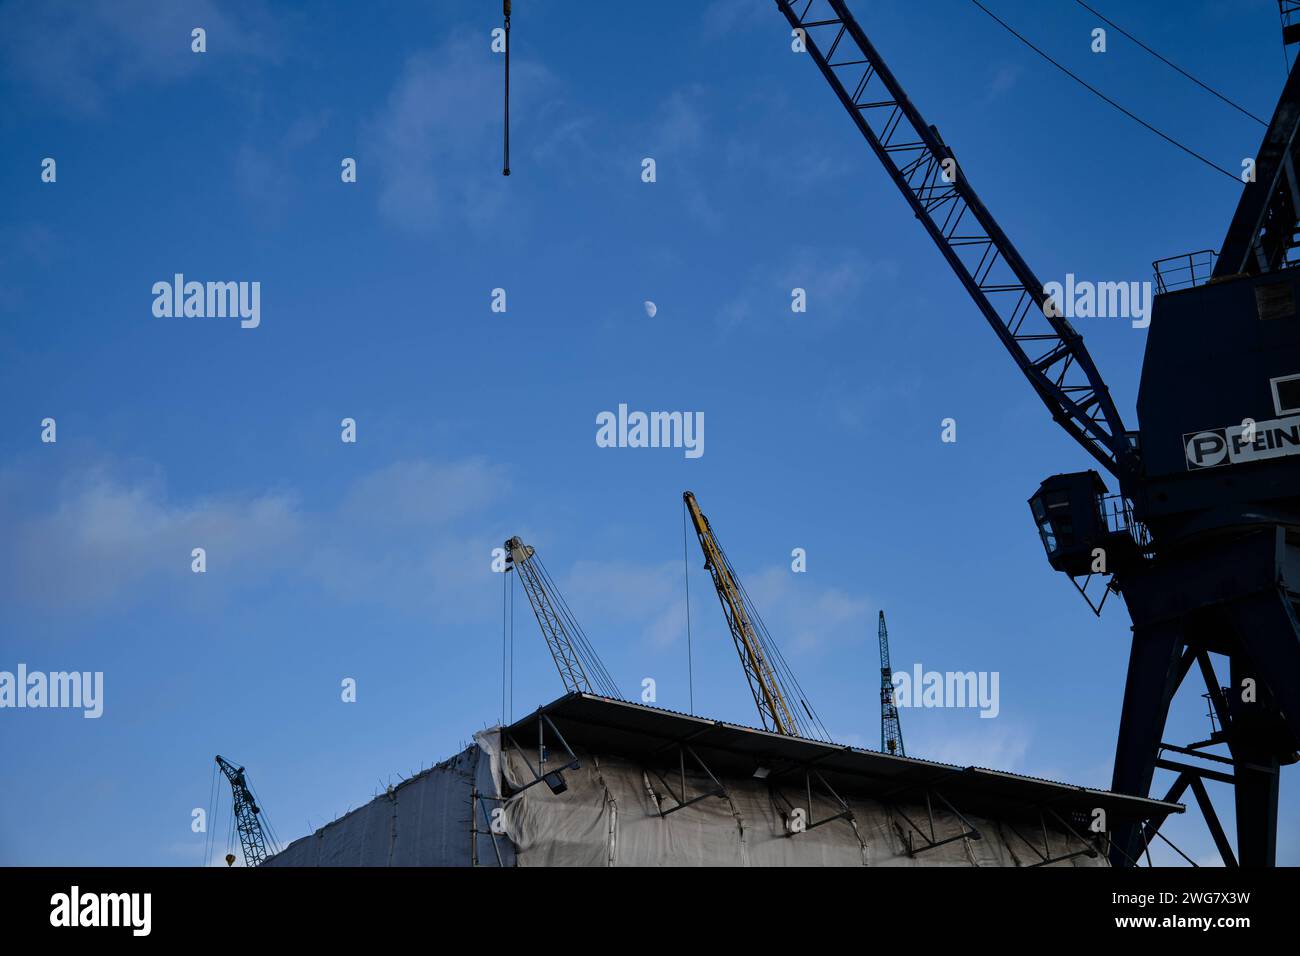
(1186, 271)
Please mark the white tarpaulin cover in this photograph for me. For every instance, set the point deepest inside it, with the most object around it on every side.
(610, 815)
(424, 821)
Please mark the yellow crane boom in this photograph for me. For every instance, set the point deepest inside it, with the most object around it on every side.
(759, 657)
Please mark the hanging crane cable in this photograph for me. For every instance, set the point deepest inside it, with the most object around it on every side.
(686, 575)
(208, 832)
(1205, 86)
(505, 10)
(1096, 92)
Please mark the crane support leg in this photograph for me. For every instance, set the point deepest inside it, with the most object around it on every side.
(1155, 669)
(1236, 599)
(1255, 785)
(1258, 622)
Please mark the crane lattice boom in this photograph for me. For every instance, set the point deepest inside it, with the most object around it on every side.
(580, 669)
(891, 728)
(1042, 342)
(252, 839)
(759, 657)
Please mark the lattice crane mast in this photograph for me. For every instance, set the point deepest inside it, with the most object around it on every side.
(580, 668)
(891, 729)
(248, 822)
(775, 695)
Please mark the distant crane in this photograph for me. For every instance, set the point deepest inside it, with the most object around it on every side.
(891, 730)
(760, 658)
(252, 837)
(576, 660)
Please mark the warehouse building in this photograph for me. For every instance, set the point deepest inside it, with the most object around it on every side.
(591, 781)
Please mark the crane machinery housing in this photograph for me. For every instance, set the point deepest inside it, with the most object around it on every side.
(1202, 540)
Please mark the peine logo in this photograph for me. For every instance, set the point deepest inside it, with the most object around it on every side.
(1234, 446)
(651, 430)
(74, 908)
(209, 300)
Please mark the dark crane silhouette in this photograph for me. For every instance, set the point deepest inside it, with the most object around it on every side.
(1203, 538)
(252, 838)
(891, 728)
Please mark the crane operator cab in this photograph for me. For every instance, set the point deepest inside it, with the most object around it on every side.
(1077, 533)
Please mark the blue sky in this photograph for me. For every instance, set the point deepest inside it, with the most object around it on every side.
(372, 560)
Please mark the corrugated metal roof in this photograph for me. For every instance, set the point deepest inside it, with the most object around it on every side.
(639, 732)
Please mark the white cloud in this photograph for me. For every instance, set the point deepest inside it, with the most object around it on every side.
(81, 53)
(106, 537)
(424, 492)
(1004, 79)
(677, 138)
(725, 16)
(835, 283)
(437, 142)
(995, 744)
(265, 173)
(409, 535)
(642, 598)
(803, 617)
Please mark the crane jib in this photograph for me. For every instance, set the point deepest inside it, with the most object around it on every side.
(1048, 351)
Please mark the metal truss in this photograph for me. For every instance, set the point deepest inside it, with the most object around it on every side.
(1290, 11)
(1262, 233)
(845, 812)
(1042, 342)
(929, 836)
(1107, 588)
(554, 779)
(1214, 767)
(1194, 777)
(252, 839)
(580, 669)
(684, 801)
(1044, 855)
